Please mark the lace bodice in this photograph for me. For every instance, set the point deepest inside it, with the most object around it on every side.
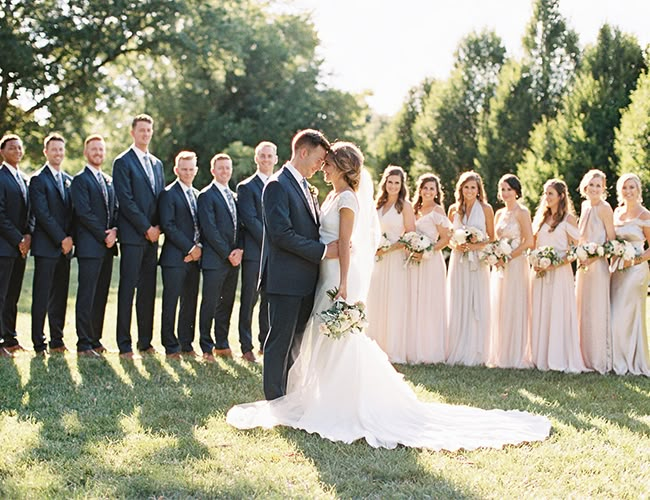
(559, 238)
(508, 227)
(592, 228)
(631, 230)
(428, 225)
(329, 217)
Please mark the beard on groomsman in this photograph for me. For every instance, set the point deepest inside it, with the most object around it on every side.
(222, 255)
(52, 243)
(249, 204)
(180, 257)
(139, 179)
(16, 226)
(95, 216)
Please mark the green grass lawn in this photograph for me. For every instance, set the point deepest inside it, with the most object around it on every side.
(153, 428)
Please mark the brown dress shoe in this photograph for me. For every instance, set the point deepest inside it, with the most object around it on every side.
(129, 355)
(148, 352)
(249, 356)
(189, 354)
(42, 354)
(15, 348)
(100, 349)
(208, 358)
(89, 354)
(61, 349)
(5, 354)
(260, 352)
(173, 355)
(224, 353)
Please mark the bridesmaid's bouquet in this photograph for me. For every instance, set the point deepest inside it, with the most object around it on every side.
(587, 251)
(416, 244)
(384, 244)
(497, 251)
(468, 234)
(619, 250)
(542, 258)
(342, 318)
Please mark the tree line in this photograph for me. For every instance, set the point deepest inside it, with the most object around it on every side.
(224, 75)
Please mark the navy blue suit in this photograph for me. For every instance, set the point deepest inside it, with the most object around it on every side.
(53, 223)
(15, 222)
(180, 278)
(219, 238)
(92, 217)
(138, 211)
(249, 205)
(291, 255)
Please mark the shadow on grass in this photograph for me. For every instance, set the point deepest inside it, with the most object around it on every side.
(573, 399)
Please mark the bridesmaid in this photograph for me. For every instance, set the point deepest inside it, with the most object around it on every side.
(427, 313)
(630, 286)
(555, 344)
(468, 282)
(509, 342)
(388, 286)
(592, 279)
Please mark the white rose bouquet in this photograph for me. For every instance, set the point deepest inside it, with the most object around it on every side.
(416, 244)
(587, 251)
(497, 251)
(542, 258)
(619, 250)
(467, 234)
(342, 318)
(384, 244)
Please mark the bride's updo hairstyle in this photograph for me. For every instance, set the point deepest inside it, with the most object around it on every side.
(348, 159)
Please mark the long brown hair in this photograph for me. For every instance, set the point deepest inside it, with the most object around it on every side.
(382, 197)
(464, 178)
(417, 196)
(564, 207)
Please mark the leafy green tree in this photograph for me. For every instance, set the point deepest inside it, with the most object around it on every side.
(632, 143)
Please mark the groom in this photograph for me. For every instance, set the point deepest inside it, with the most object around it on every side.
(291, 254)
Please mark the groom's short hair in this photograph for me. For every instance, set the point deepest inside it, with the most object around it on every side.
(310, 138)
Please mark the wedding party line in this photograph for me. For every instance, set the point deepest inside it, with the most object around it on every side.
(508, 298)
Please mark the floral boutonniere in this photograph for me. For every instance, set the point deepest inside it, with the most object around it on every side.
(108, 180)
(313, 190)
(67, 183)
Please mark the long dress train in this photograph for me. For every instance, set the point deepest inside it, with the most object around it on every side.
(346, 389)
(629, 290)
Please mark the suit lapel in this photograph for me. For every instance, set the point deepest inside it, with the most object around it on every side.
(180, 192)
(301, 193)
(52, 181)
(224, 203)
(140, 169)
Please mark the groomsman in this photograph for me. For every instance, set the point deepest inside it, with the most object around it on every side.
(16, 227)
(95, 216)
(49, 193)
(139, 179)
(249, 203)
(180, 256)
(222, 254)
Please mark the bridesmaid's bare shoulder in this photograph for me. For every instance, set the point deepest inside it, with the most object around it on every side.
(605, 208)
(571, 219)
(645, 214)
(453, 208)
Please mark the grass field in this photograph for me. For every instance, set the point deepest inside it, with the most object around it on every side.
(155, 428)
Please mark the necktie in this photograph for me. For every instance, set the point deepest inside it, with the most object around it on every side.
(193, 209)
(59, 183)
(21, 184)
(310, 200)
(102, 184)
(231, 206)
(148, 167)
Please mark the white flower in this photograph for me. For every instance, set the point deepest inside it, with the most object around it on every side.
(492, 259)
(505, 247)
(600, 251)
(582, 253)
(544, 262)
(460, 236)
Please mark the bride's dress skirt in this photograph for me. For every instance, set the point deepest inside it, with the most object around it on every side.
(346, 389)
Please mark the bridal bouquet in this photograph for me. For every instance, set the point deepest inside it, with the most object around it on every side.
(342, 318)
(416, 244)
(467, 234)
(384, 244)
(499, 250)
(587, 251)
(543, 258)
(619, 250)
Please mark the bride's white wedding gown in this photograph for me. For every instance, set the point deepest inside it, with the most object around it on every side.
(346, 389)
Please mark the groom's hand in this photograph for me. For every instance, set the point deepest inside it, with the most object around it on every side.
(332, 251)
(235, 257)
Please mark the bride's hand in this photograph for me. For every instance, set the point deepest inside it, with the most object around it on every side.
(343, 292)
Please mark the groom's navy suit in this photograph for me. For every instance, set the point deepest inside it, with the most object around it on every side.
(53, 214)
(291, 255)
(138, 211)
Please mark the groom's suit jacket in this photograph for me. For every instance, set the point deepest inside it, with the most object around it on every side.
(291, 251)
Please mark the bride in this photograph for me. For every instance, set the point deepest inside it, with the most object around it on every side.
(346, 389)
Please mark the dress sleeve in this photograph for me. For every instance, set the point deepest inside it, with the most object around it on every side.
(440, 220)
(572, 231)
(644, 223)
(347, 199)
